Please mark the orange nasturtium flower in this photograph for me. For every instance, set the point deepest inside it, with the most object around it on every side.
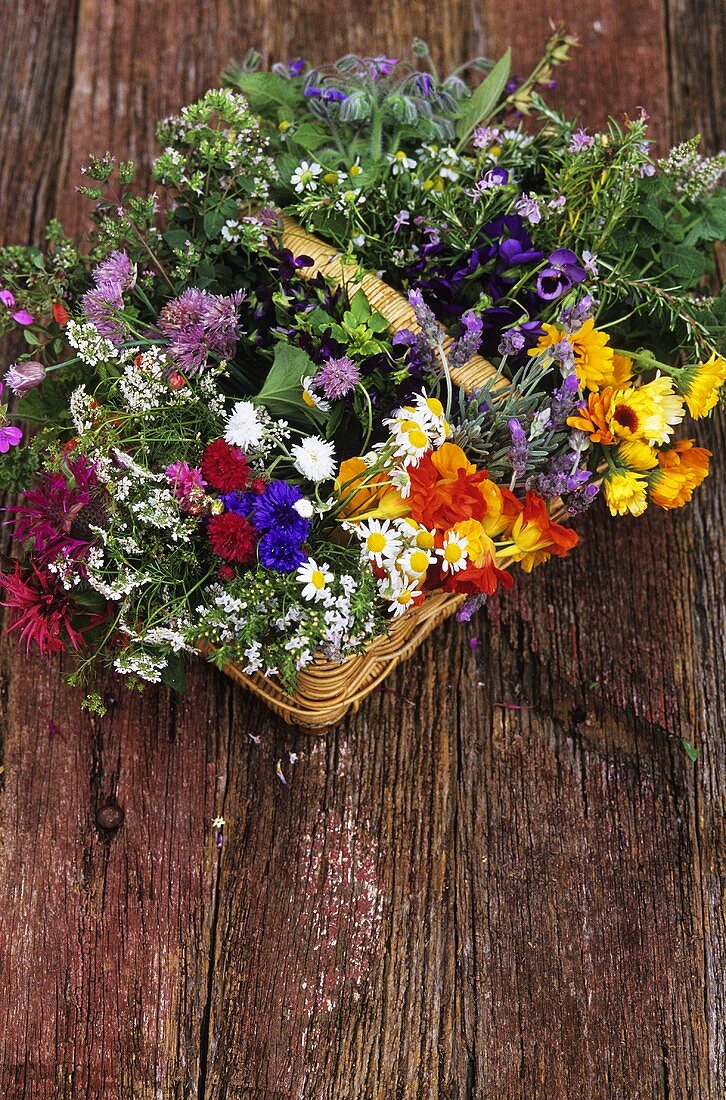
(535, 536)
(367, 495)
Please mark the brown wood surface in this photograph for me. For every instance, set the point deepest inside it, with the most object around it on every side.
(450, 898)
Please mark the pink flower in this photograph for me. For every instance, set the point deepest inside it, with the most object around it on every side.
(58, 511)
(23, 317)
(9, 437)
(40, 609)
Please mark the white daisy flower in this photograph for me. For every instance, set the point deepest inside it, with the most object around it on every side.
(403, 598)
(430, 412)
(401, 163)
(315, 458)
(315, 579)
(453, 553)
(379, 539)
(305, 176)
(415, 562)
(311, 398)
(400, 478)
(244, 427)
(411, 439)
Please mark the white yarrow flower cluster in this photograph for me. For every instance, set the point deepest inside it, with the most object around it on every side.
(92, 348)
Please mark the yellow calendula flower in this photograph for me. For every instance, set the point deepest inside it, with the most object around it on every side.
(681, 469)
(636, 454)
(622, 369)
(700, 385)
(649, 412)
(594, 364)
(625, 491)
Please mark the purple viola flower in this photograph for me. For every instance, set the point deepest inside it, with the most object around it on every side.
(511, 244)
(563, 271)
(338, 377)
(25, 376)
(580, 140)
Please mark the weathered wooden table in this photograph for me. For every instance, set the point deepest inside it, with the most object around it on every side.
(503, 878)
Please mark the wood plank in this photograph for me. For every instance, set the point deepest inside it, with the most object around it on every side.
(450, 897)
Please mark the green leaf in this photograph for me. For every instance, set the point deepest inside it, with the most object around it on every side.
(281, 393)
(174, 675)
(176, 238)
(265, 91)
(690, 750)
(309, 136)
(684, 263)
(30, 338)
(213, 222)
(483, 100)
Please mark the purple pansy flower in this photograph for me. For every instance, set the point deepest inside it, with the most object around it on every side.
(563, 271)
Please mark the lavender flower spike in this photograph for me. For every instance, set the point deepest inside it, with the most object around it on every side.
(425, 317)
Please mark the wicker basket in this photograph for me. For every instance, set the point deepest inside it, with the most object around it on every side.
(327, 691)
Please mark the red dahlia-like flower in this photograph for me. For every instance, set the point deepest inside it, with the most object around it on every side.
(225, 467)
(232, 537)
(40, 609)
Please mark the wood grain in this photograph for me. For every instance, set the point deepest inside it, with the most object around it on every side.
(502, 877)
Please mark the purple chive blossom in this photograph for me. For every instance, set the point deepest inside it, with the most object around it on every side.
(579, 141)
(198, 323)
(469, 607)
(104, 302)
(528, 208)
(25, 376)
(512, 342)
(221, 323)
(403, 217)
(564, 402)
(469, 342)
(337, 378)
(519, 451)
(425, 317)
(117, 271)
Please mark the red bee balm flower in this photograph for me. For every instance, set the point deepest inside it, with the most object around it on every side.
(225, 467)
(41, 610)
(232, 537)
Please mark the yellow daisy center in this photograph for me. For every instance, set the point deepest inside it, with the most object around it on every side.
(308, 398)
(419, 561)
(317, 579)
(376, 542)
(424, 540)
(453, 553)
(416, 437)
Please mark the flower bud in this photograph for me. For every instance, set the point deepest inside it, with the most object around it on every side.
(25, 376)
(176, 381)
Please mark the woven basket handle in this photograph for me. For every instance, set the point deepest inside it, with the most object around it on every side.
(383, 298)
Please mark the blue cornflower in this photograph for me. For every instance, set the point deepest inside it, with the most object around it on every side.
(277, 550)
(241, 503)
(274, 511)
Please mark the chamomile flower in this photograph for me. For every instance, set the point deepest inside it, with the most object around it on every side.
(305, 176)
(315, 580)
(401, 162)
(352, 196)
(415, 562)
(400, 478)
(431, 413)
(311, 398)
(314, 458)
(244, 426)
(453, 553)
(379, 539)
(402, 599)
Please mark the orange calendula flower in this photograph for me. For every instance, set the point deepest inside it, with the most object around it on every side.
(700, 385)
(367, 495)
(681, 469)
(447, 488)
(592, 418)
(481, 572)
(535, 536)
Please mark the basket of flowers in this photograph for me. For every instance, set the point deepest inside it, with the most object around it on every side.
(371, 344)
